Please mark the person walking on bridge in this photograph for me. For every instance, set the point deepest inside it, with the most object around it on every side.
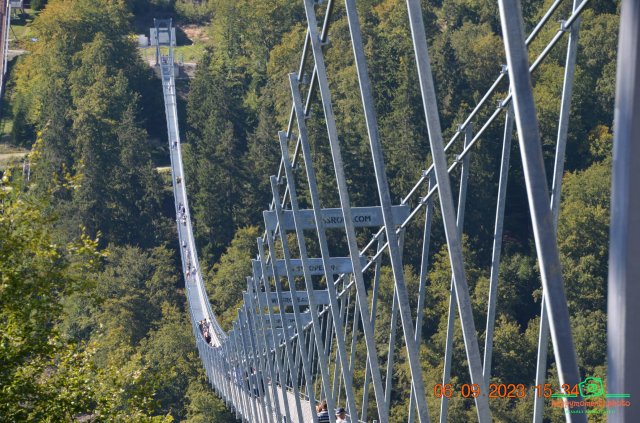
(323, 413)
(341, 415)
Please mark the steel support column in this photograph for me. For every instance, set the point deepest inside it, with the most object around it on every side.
(624, 253)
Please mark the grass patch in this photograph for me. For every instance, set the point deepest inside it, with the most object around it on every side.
(11, 149)
(192, 42)
(185, 54)
(6, 127)
(6, 105)
(189, 54)
(6, 111)
(11, 156)
(21, 32)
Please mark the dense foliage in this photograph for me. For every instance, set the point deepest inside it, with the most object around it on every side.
(91, 301)
(90, 294)
(244, 75)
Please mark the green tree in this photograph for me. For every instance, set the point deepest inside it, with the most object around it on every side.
(216, 164)
(261, 161)
(44, 376)
(204, 406)
(227, 279)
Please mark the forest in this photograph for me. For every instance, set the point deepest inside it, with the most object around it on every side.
(93, 313)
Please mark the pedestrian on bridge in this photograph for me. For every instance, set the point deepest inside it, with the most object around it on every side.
(341, 415)
(323, 412)
(239, 376)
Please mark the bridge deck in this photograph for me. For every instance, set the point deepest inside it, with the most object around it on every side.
(291, 402)
(198, 301)
(250, 407)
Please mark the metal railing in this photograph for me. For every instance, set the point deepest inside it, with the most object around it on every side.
(316, 354)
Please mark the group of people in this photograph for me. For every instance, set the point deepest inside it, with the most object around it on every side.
(323, 413)
(205, 329)
(182, 214)
(190, 269)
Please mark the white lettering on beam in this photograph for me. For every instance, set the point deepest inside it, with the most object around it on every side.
(338, 265)
(321, 296)
(333, 218)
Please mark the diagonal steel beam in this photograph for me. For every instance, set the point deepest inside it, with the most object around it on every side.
(345, 204)
(538, 194)
(556, 190)
(497, 244)
(451, 318)
(401, 296)
(292, 287)
(454, 244)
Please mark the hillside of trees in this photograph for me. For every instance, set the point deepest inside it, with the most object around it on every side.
(92, 307)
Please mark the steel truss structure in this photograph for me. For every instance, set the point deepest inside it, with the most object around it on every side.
(307, 330)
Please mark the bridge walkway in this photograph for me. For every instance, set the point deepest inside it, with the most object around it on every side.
(200, 308)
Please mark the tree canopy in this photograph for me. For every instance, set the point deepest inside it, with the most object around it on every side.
(92, 305)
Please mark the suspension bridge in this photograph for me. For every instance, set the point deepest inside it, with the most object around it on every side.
(308, 325)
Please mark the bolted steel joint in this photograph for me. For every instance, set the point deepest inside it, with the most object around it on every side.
(504, 69)
(298, 80)
(564, 27)
(324, 42)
